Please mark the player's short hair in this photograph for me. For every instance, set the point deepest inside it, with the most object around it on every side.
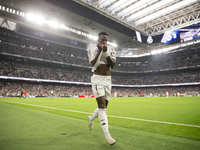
(102, 33)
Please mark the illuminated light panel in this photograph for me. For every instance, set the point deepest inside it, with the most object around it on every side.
(134, 8)
(40, 20)
(126, 9)
(30, 17)
(53, 24)
(165, 11)
(150, 9)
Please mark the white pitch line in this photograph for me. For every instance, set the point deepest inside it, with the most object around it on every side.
(164, 122)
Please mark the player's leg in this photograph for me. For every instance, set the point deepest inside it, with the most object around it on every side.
(91, 118)
(94, 116)
(102, 104)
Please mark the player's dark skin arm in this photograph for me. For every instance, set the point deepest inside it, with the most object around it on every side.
(111, 62)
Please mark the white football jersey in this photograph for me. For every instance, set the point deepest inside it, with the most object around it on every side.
(92, 52)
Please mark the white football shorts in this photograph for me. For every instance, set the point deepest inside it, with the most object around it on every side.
(101, 86)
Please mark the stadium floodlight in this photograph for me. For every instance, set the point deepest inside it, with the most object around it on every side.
(39, 20)
(62, 26)
(53, 24)
(79, 32)
(95, 38)
(90, 36)
(114, 45)
(30, 17)
(67, 28)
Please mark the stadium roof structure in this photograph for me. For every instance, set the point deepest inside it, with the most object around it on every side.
(149, 17)
(120, 18)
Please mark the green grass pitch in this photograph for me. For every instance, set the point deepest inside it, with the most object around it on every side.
(135, 123)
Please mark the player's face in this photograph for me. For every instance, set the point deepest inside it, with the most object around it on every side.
(103, 39)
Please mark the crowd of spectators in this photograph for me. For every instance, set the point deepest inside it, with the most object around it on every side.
(157, 91)
(35, 48)
(39, 71)
(38, 89)
(42, 54)
(157, 62)
(177, 59)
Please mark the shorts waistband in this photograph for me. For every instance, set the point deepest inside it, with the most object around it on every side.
(101, 76)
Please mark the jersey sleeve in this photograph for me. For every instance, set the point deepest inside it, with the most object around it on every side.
(113, 53)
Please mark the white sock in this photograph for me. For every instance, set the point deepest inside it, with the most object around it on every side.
(103, 120)
(95, 114)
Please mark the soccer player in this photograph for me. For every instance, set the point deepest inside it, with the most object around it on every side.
(21, 94)
(167, 94)
(25, 94)
(178, 94)
(115, 94)
(102, 59)
(51, 94)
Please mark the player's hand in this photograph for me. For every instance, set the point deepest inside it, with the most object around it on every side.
(100, 47)
(104, 48)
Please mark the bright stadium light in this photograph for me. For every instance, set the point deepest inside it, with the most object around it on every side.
(53, 24)
(114, 45)
(30, 17)
(62, 26)
(90, 36)
(40, 20)
(95, 38)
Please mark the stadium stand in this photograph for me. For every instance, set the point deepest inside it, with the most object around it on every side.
(29, 57)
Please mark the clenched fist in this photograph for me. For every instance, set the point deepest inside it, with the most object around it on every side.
(100, 46)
